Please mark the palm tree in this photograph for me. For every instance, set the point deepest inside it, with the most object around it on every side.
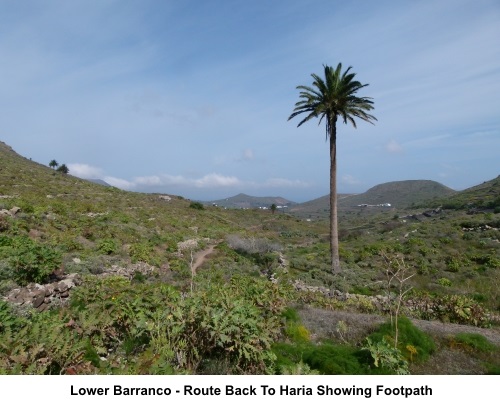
(53, 164)
(331, 98)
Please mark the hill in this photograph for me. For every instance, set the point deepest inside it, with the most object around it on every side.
(246, 201)
(399, 194)
(317, 208)
(484, 195)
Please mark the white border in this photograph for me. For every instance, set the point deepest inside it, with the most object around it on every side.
(57, 389)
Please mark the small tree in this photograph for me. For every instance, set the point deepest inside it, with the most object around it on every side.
(190, 245)
(63, 169)
(273, 208)
(53, 164)
(397, 273)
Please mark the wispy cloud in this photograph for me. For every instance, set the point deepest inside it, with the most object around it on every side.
(393, 147)
(279, 182)
(349, 179)
(247, 155)
(214, 180)
(85, 171)
(119, 183)
(211, 180)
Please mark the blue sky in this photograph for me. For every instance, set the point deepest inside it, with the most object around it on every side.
(192, 97)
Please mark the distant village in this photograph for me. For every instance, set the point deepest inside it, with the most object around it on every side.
(375, 205)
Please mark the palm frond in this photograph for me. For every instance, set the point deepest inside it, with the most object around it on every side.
(333, 96)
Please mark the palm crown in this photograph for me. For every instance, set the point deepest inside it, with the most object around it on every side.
(332, 97)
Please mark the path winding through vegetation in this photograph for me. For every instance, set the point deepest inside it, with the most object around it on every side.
(201, 257)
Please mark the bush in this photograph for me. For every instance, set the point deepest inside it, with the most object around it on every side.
(230, 325)
(444, 282)
(107, 246)
(143, 252)
(387, 356)
(294, 330)
(326, 358)
(412, 342)
(252, 245)
(31, 261)
(8, 320)
(196, 205)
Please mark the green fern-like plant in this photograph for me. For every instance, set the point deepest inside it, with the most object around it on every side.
(385, 355)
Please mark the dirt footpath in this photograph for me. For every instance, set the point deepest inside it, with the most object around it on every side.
(323, 323)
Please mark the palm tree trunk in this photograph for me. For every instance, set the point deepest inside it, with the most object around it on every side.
(334, 232)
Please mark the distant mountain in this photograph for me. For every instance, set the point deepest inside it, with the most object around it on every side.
(399, 194)
(247, 201)
(319, 207)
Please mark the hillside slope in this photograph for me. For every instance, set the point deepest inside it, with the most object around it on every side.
(484, 195)
(399, 194)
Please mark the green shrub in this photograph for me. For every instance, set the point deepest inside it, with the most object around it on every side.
(297, 333)
(334, 359)
(408, 334)
(444, 282)
(475, 341)
(452, 264)
(291, 315)
(196, 205)
(8, 320)
(461, 309)
(107, 246)
(143, 252)
(325, 358)
(294, 330)
(387, 356)
(44, 345)
(155, 324)
(31, 261)
(450, 308)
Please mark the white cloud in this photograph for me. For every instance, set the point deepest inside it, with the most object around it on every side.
(212, 180)
(248, 154)
(393, 147)
(209, 180)
(84, 171)
(348, 179)
(279, 182)
(120, 183)
(149, 181)
(216, 180)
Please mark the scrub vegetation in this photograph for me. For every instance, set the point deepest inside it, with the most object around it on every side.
(171, 286)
